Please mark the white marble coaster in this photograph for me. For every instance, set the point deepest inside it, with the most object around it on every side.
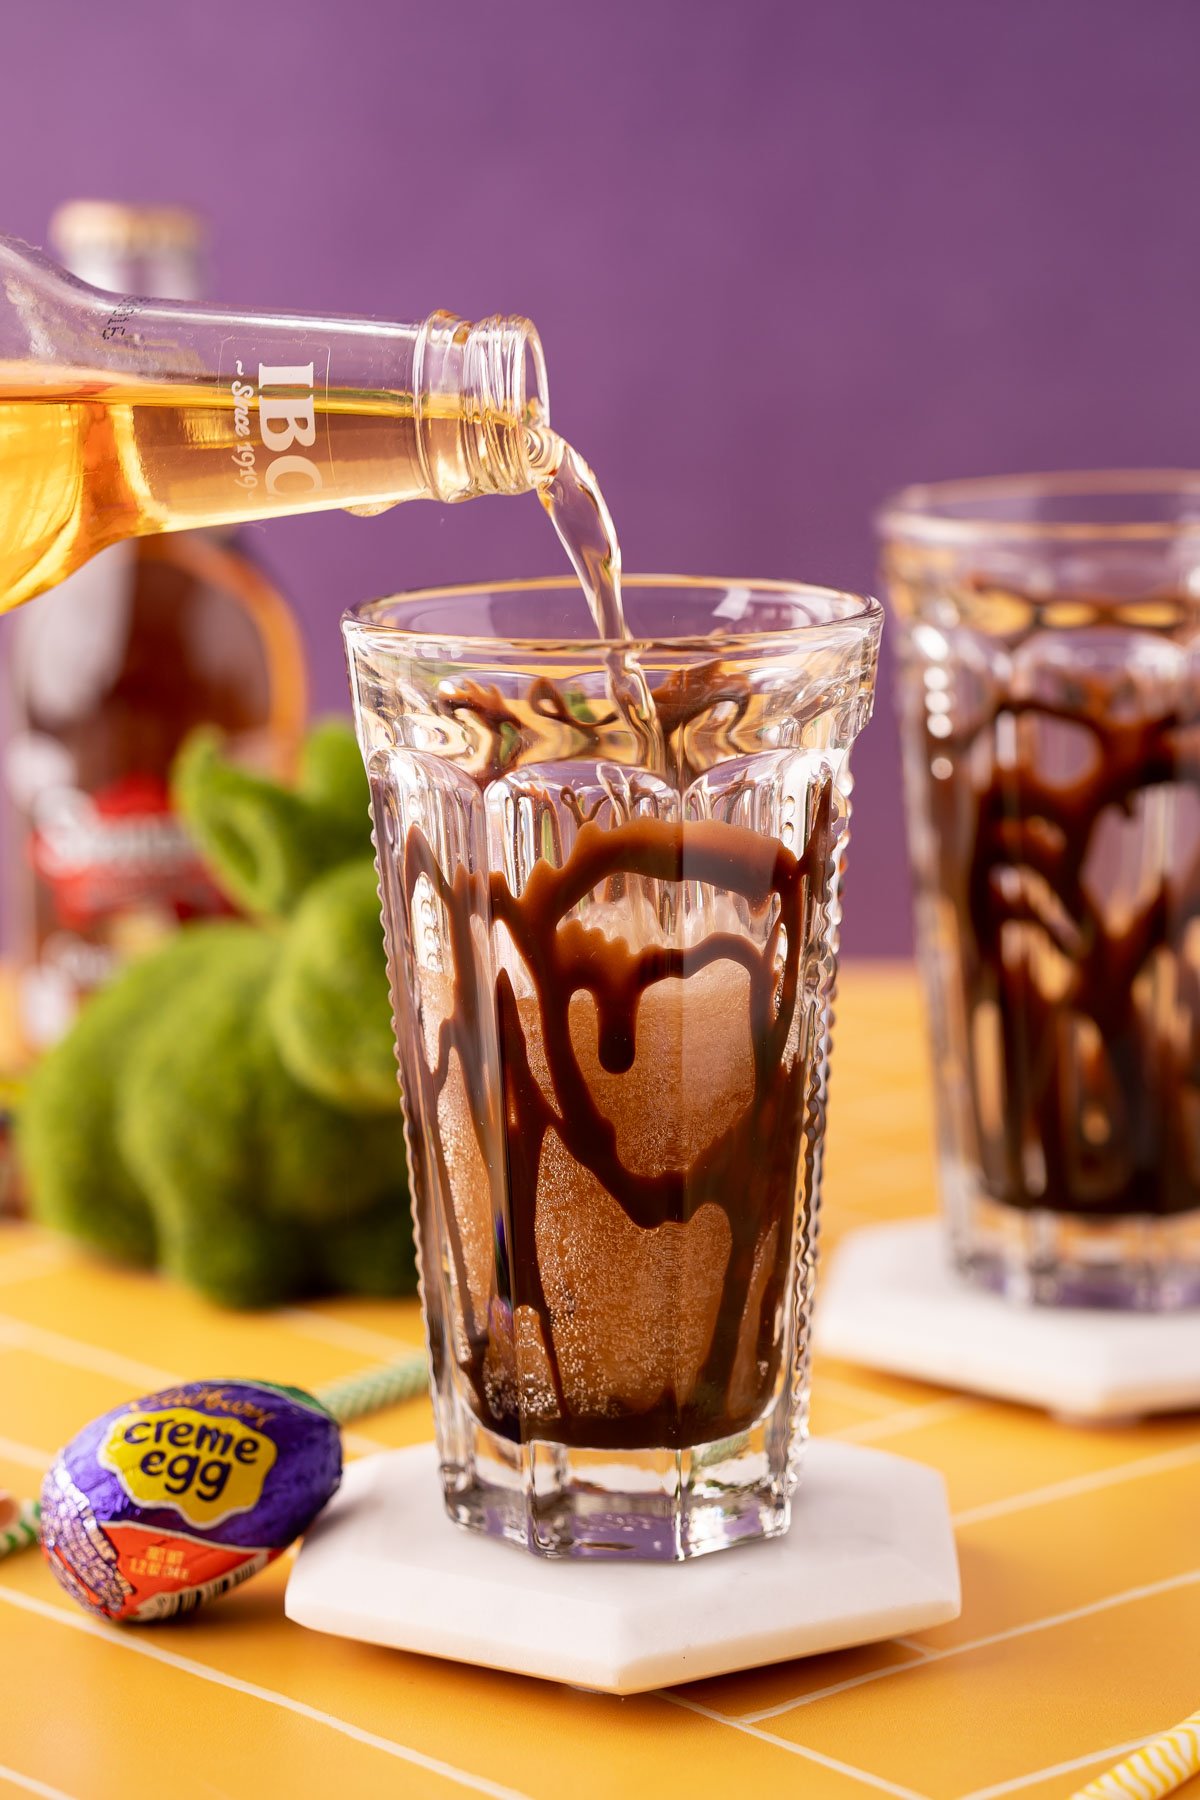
(889, 1298)
(870, 1553)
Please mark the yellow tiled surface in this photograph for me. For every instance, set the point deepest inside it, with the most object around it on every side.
(1080, 1554)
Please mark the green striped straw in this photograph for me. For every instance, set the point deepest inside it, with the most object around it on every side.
(23, 1530)
(370, 1391)
(350, 1398)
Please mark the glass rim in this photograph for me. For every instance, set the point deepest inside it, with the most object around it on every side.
(920, 512)
(863, 614)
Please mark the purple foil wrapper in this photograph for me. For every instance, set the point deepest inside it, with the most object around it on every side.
(177, 1496)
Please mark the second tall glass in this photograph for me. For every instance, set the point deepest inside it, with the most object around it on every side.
(611, 965)
(1050, 702)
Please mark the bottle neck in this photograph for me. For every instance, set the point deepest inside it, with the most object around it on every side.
(478, 392)
(353, 413)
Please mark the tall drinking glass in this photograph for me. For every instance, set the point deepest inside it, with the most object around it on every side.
(1050, 698)
(612, 957)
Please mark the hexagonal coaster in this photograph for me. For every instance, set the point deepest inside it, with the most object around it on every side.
(870, 1553)
(891, 1299)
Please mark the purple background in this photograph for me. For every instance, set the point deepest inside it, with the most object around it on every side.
(784, 257)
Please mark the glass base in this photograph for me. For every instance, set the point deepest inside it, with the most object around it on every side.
(1044, 1258)
(648, 1505)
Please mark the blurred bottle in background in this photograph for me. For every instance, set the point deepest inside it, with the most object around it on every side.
(107, 675)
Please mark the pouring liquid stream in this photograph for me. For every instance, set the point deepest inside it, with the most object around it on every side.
(571, 495)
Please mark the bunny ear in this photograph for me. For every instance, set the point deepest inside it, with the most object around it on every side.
(264, 844)
(328, 1004)
(332, 774)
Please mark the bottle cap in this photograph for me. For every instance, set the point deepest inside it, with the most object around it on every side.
(131, 249)
(121, 228)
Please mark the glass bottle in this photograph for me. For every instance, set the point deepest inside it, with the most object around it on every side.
(104, 679)
(125, 417)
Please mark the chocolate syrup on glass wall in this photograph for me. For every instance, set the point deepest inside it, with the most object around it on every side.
(1092, 1103)
(581, 1165)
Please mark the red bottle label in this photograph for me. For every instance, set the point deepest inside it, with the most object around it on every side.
(118, 850)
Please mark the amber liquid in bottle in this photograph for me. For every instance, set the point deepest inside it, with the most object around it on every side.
(89, 465)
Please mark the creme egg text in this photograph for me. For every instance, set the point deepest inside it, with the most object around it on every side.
(203, 1468)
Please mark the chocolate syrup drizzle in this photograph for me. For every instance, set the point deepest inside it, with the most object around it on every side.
(752, 1170)
(1110, 1116)
(680, 699)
